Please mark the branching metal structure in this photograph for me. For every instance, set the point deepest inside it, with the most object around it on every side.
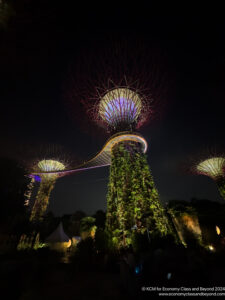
(120, 100)
(47, 182)
(44, 164)
(119, 106)
(121, 109)
(132, 199)
(102, 70)
(214, 168)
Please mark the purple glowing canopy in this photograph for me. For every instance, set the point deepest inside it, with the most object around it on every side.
(120, 105)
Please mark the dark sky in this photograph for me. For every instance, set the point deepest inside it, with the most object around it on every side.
(36, 50)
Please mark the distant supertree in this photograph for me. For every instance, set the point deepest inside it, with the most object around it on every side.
(214, 168)
(46, 169)
(47, 182)
(121, 105)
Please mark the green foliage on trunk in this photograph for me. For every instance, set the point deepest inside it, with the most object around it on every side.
(42, 200)
(132, 198)
(221, 186)
(87, 224)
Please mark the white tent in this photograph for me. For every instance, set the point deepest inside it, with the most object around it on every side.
(58, 240)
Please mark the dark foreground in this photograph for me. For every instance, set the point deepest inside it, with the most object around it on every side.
(44, 274)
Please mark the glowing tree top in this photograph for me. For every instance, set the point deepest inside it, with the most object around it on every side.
(119, 87)
(212, 167)
(49, 165)
(47, 162)
(121, 109)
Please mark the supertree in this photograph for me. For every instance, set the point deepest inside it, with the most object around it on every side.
(121, 102)
(51, 163)
(132, 200)
(129, 64)
(213, 166)
(47, 182)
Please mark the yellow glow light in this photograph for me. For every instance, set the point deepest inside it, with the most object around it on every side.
(212, 167)
(211, 248)
(217, 230)
(50, 165)
(68, 244)
(192, 223)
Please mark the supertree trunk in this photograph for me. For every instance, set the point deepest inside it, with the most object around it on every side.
(28, 192)
(148, 210)
(221, 186)
(132, 197)
(42, 200)
(119, 211)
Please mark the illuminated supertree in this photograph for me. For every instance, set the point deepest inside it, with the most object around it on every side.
(121, 109)
(46, 169)
(132, 200)
(127, 67)
(119, 94)
(214, 168)
(47, 182)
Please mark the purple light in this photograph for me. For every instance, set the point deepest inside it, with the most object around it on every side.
(37, 178)
(120, 109)
(120, 106)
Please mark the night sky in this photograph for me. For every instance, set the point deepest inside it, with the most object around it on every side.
(43, 38)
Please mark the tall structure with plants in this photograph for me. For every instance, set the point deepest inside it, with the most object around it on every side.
(47, 182)
(118, 91)
(51, 163)
(132, 201)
